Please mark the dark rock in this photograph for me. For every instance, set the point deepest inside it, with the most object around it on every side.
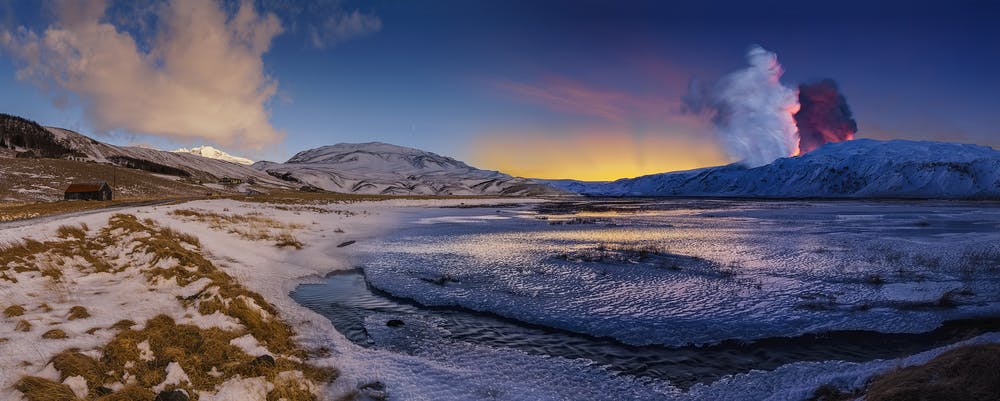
(373, 386)
(374, 391)
(343, 244)
(443, 280)
(263, 361)
(172, 395)
(395, 323)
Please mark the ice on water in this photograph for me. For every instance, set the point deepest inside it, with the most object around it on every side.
(712, 270)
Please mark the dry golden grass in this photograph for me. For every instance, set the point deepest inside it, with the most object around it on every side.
(970, 373)
(206, 355)
(23, 325)
(71, 363)
(14, 311)
(49, 257)
(54, 334)
(130, 393)
(78, 312)
(39, 389)
(251, 226)
(123, 325)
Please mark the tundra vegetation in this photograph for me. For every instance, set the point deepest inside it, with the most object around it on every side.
(161, 354)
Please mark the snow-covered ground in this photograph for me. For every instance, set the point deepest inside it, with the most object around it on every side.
(428, 371)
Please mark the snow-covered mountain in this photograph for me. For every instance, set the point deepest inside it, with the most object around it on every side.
(213, 153)
(861, 168)
(380, 168)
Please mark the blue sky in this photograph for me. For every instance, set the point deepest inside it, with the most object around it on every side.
(477, 79)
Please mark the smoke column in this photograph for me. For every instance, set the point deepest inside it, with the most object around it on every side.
(823, 116)
(752, 110)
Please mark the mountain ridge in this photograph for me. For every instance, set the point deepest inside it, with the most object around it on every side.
(381, 168)
(860, 168)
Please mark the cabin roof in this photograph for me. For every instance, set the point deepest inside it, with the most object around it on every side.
(78, 187)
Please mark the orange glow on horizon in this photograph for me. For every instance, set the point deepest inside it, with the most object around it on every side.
(593, 157)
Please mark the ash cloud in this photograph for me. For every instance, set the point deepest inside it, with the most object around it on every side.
(751, 110)
(201, 77)
(823, 116)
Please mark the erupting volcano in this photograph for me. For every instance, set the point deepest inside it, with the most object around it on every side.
(823, 116)
(758, 119)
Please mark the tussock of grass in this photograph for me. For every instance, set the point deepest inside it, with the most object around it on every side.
(123, 324)
(39, 389)
(286, 239)
(23, 325)
(65, 231)
(14, 311)
(130, 393)
(78, 312)
(71, 363)
(54, 334)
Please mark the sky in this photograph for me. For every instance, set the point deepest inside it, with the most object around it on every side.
(549, 89)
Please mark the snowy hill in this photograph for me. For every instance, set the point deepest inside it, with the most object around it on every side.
(25, 138)
(862, 168)
(153, 160)
(379, 168)
(213, 153)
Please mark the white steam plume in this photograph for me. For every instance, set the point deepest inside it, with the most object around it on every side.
(752, 110)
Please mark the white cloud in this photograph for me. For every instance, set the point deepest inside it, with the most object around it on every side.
(340, 27)
(201, 78)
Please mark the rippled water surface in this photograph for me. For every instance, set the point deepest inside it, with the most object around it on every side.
(685, 290)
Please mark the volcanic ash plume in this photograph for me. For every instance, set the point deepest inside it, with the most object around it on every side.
(752, 110)
(823, 116)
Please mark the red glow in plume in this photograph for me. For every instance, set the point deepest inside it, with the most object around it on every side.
(823, 116)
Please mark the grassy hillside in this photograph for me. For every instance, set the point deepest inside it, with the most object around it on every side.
(34, 180)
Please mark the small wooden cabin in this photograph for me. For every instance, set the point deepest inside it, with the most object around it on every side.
(89, 191)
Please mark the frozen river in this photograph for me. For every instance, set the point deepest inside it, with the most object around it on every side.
(678, 291)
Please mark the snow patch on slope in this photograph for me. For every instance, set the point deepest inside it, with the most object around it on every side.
(213, 153)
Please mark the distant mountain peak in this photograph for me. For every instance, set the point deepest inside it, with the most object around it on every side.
(213, 153)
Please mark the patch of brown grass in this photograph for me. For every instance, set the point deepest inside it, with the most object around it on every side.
(123, 324)
(54, 334)
(23, 325)
(67, 232)
(71, 363)
(14, 311)
(969, 373)
(250, 226)
(198, 351)
(39, 389)
(286, 239)
(130, 393)
(78, 312)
